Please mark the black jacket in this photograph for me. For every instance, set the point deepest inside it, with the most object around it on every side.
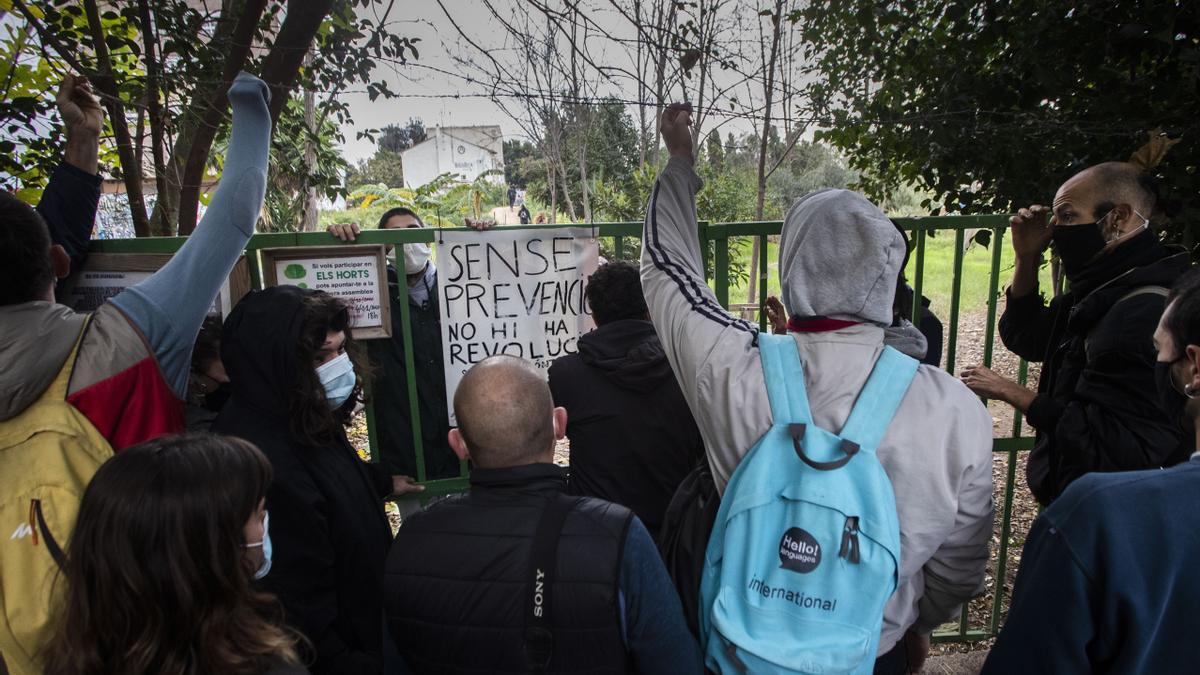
(1096, 409)
(633, 438)
(389, 390)
(457, 579)
(328, 529)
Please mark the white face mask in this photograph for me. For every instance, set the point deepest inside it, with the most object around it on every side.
(416, 256)
(265, 567)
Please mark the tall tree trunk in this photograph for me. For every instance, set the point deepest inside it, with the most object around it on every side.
(583, 185)
(550, 178)
(769, 99)
(562, 170)
(660, 80)
(308, 219)
(641, 86)
(200, 127)
(131, 164)
(582, 117)
(279, 71)
(153, 104)
(769, 91)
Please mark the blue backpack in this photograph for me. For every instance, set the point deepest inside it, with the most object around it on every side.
(805, 551)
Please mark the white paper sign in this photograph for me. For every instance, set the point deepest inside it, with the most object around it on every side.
(353, 279)
(93, 288)
(519, 293)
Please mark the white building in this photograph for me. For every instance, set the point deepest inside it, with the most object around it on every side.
(464, 151)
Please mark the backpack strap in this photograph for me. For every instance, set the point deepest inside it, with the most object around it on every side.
(1161, 291)
(784, 375)
(879, 399)
(539, 625)
(57, 391)
(60, 387)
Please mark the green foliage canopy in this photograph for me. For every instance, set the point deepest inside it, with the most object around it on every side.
(992, 105)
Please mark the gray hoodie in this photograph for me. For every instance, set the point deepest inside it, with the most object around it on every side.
(839, 257)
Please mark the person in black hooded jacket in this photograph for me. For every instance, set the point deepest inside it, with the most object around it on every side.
(1094, 409)
(290, 357)
(633, 438)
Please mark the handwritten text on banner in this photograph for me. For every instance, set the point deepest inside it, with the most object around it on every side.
(518, 292)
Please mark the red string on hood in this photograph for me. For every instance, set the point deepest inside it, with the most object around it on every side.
(818, 324)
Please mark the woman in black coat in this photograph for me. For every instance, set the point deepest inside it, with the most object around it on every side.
(291, 361)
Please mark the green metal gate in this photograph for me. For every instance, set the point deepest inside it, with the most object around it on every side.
(715, 239)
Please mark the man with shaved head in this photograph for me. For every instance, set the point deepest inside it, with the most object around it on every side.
(515, 576)
(1092, 410)
(502, 407)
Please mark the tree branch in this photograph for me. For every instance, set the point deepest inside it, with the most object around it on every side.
(154, 104)
(131, 164)
(199, 143)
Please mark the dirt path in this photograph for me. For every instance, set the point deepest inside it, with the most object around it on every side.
(1024, 509)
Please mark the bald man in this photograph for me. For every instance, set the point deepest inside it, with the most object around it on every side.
(1094, 409)
(517, 577)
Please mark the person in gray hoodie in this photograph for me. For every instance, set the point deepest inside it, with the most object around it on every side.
(839, 258)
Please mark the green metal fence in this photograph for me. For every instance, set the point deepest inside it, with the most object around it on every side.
(622, 240)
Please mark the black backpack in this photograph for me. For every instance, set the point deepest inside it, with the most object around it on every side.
(683, 537)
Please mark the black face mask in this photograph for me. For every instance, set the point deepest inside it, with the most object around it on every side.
(1170, 400)
(1077, 245)
(215, 399)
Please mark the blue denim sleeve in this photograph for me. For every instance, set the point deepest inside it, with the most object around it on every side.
(68, 206)
(655, 632)
(170, 306)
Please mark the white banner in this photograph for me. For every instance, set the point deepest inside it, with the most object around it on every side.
(514, 292)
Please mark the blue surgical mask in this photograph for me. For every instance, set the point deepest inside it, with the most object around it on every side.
(337, 376)
(265, 567)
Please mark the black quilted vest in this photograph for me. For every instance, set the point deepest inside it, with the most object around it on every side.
(456, 579)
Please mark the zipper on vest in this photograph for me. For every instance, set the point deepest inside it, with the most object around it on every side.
(849, 549)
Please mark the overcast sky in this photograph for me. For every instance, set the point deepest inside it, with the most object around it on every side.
(423, 20)
(425, 82)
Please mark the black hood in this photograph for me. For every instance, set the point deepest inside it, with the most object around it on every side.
(259, 344)
(1147, 263)
(629, 353)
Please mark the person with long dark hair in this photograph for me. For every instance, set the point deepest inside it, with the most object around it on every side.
(158, 576)
(293, 365)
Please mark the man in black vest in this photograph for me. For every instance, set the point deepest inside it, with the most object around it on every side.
(1093, 409)
(517, 577)
(633, 438)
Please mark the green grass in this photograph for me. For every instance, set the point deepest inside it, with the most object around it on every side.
(937, 279)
